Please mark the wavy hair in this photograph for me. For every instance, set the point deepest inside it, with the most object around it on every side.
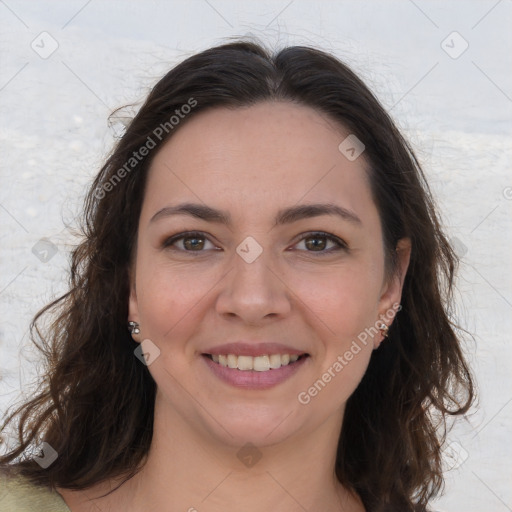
(95, 403)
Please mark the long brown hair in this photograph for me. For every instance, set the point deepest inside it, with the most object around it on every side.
(96, 401)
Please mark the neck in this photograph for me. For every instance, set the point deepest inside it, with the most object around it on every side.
(187, 471)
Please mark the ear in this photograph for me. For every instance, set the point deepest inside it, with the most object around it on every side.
(391, 293)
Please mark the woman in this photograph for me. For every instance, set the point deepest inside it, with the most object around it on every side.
(258, 314)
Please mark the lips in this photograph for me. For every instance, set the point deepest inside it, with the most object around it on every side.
(254, 365)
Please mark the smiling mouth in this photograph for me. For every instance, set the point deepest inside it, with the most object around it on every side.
(261, 363)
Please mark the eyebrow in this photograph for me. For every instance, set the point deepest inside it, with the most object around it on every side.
(284, 216)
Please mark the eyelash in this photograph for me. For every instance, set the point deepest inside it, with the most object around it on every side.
(319, 234)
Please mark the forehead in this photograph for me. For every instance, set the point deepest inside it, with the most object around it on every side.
(253, 158)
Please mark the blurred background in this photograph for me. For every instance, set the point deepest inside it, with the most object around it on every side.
(441, 68)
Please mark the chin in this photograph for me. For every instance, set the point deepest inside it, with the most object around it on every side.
(260, 426)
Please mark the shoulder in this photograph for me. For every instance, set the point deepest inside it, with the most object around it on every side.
(18, 494)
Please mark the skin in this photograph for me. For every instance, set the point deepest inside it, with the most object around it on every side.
(252, 162)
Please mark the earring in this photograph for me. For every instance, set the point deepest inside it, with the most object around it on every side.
(133, 327)
(384, 330)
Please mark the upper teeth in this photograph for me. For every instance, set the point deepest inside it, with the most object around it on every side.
(258, 363)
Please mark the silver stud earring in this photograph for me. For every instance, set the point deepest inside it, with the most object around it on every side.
(133, 327)
(384, 329)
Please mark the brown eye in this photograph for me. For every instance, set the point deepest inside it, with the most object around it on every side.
(188, 242)
(193, 243)
(317, 242)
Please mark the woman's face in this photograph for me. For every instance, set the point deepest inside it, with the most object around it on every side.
(255, 285)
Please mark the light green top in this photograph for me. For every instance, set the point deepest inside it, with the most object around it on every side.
(17, 494)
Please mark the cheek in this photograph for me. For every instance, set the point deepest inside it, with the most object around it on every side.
(344, 299)
(344, 304)
(338, 379)
(170, 297)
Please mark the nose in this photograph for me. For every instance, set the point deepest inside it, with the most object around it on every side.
(253, 292)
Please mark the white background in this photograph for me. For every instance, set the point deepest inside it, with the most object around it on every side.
(457, 112)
